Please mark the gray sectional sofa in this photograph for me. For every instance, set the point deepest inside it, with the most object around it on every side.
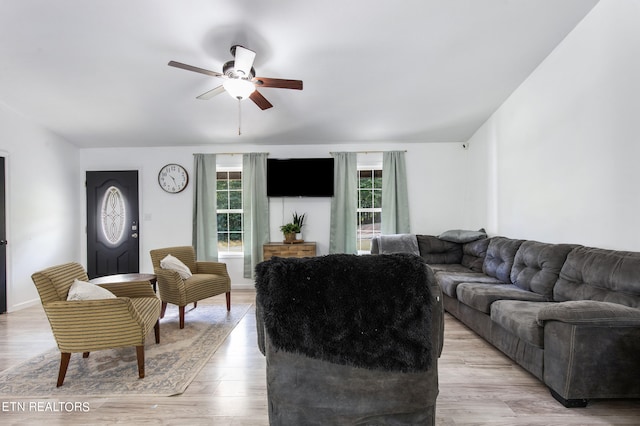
(568, 314)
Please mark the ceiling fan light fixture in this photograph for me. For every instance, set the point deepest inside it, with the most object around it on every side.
(239, 78)
(239, 88)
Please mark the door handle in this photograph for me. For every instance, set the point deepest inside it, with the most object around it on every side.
(4, 242)
(134, 235)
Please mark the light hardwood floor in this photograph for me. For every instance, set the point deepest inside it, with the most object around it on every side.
(478, 385)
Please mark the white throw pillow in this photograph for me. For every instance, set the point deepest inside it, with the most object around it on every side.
(173, 263)
(82, 290)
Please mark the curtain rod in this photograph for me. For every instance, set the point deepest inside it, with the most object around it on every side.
(357, 152)
(231, 153)
(372, 152)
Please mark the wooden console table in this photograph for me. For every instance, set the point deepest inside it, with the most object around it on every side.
(288, 250)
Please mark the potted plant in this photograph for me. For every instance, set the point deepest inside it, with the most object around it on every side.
(299, 220)
(289, 230)
(292, 228)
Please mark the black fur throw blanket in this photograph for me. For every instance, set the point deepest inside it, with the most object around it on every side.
(370, 311)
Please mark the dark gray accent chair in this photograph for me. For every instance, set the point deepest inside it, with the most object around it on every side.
(350, 340)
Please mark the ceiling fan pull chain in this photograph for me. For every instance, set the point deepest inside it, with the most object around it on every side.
(239, 117)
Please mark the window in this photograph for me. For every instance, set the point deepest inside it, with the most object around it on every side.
(369, 210)
(229, 210)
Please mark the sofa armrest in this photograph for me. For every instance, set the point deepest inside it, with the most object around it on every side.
(260, 328)
(171, 286)
(169, 276)
(437, 319)
(437, 312)
(590, 312)
(88, 325)
(591, 351)
(208, 267)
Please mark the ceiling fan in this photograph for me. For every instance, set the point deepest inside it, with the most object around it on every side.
(239, 78)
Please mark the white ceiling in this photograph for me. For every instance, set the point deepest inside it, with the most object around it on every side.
(95, 71)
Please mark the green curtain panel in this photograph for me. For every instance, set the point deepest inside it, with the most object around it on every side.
(395, 197)
(256, 209)
(205, 224)
(343, 203)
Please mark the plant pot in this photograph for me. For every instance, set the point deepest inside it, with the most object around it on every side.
(290, 237)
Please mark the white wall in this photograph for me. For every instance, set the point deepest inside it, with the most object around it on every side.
(436, 180)
(43, 186)
(558, 161)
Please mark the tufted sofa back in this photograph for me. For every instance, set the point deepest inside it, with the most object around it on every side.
(473, 254)
(500, 256)
(436, 251)
(537, 265)
(599, 274)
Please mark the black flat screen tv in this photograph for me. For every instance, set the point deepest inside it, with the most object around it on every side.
(300, 177)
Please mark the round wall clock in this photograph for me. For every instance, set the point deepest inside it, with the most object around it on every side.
(173, 178)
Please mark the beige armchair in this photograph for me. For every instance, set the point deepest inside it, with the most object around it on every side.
(209, 279)
(90, 325)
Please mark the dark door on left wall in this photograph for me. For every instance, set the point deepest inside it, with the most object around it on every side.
(112, 223)
(3, 240)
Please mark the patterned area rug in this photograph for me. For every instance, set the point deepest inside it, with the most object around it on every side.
(169, 366)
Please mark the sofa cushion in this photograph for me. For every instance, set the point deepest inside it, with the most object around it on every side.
(601, 275)
(499, 258)
(537, 265)
(173, 263)
(449, 280)
(473, 254)
(449, 267)
(436, 251)
(480, 296)
(82, 290)
(520, 318)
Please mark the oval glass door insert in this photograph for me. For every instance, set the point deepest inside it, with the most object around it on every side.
(113, 215)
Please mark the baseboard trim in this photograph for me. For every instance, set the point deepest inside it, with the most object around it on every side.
(243, 287)
(23, 305)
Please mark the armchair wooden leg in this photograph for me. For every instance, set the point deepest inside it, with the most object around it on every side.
(181, 310)
(164, 308)
(228, 294)
(140, 356)
(85, 354)
(64, 364)
(156, 329)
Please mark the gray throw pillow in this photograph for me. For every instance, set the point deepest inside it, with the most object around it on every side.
(462, 236)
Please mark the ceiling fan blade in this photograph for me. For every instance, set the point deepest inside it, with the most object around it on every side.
(278, 82)
(211, 93)
(260, 100)
(243, 59)
(195, 69)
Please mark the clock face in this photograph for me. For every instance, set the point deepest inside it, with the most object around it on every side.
(173, 178)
